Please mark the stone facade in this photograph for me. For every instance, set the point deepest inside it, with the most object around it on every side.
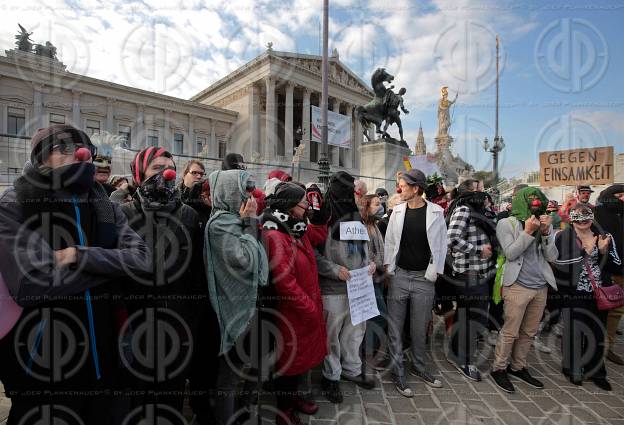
(36, 92)
(273, 95)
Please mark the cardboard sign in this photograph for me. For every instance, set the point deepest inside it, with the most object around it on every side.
(592, 166)
(361, 294)
(353, 231)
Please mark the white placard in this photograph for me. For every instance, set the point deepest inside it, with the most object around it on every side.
(353, 231)
(362, 301)
(338, 128)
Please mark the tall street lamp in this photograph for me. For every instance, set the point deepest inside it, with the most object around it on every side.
(499, 144)
(323, 162)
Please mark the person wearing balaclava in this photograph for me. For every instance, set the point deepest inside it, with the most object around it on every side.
(609, 212)
(289, 238)
(233, 161)
(169, 295)
(64, 246)
(528, 242)
(341, 253)
(236, 267)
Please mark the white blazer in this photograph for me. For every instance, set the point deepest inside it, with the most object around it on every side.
(436, 236)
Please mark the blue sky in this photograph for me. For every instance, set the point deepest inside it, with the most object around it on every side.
(561, 84)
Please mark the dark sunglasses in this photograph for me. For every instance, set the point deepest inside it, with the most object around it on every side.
(70, 148)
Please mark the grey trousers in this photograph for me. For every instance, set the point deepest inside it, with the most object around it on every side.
(409, 286)
(343, 339)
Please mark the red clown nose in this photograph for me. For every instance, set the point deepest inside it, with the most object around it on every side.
(536, 203)
(82, 154)
(169, 174)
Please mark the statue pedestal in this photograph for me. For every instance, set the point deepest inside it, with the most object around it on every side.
(33, 61)
(443, 143)
(381, 160)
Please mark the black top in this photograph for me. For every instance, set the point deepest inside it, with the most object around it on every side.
(414, 252)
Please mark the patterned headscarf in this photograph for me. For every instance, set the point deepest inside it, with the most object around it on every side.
(143, 159)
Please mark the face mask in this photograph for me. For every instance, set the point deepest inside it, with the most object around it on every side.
(77, 177)
(157, 190)
(380, 211)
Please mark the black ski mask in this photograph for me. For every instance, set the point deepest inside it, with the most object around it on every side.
(157, 192)
(77, 177)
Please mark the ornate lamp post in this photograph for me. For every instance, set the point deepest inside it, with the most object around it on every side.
(498, 146)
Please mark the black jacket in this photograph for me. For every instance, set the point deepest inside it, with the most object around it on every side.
(51, 346)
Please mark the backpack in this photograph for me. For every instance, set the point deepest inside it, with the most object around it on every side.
(497, 290)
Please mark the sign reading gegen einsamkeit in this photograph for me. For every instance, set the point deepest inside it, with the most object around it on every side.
(593, 166)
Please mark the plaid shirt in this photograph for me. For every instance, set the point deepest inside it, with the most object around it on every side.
(466, 242)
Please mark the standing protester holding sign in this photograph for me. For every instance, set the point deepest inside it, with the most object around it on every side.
(64, 244)
(528, 242)
(343, 250)
(415, 251)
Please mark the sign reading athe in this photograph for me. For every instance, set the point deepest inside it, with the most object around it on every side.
(572, 167)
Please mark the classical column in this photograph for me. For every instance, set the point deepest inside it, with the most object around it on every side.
(335, 150)
(305, 120)
(139, 128)
(37, 121)
(288, 122)
(109, 115)
(190, 145)
(351, 162)
(3, 119)
(254, 122)
(214, 147)
(271, 120)
(76, 109)
(167, 138)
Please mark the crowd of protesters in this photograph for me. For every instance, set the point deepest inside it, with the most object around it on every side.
(128, 294)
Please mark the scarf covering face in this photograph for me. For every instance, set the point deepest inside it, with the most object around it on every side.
(521, 205)
(608, 199)
(236, 263)
(277, 215)
(157, 193)
(340, 201)
(479, 214)
(143, 159)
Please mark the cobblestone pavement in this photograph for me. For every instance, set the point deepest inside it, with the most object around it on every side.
(465, 402)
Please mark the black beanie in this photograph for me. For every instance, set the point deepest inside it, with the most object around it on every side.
(286, 196)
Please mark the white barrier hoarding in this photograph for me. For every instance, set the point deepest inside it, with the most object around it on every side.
(338, 128)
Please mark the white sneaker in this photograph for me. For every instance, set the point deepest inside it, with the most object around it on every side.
(492, 337)
(540, 346)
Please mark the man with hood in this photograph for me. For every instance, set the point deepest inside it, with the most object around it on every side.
(169, 296)
(233, 161)
(336, 257)
(472, 243)
(64, 246)
(609, 213)
(528, 242)
(236, 267)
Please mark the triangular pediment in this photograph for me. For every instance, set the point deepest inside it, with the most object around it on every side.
(339, 73)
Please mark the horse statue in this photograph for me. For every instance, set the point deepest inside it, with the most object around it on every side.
(47, 50)
(377, 110)
(23, 43)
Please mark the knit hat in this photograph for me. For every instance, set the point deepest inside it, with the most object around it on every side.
(45, 138)
(415, 177)
(287, 195)
(143, 159)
